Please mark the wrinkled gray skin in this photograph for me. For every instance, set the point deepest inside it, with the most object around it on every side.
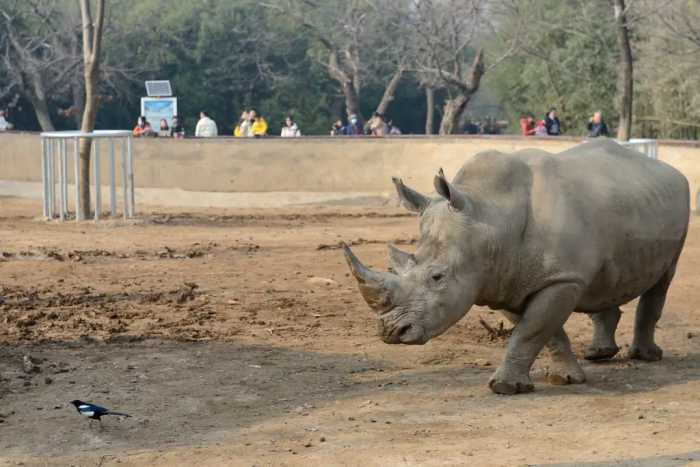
(538, 235)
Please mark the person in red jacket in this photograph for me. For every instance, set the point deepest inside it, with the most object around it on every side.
(527, 125)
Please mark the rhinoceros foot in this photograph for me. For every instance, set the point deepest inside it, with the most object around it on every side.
(648, 353)
(511, 384)
(560, 375)
(600, 353)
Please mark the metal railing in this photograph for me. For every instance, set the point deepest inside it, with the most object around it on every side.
(54, 164)
(648, 147)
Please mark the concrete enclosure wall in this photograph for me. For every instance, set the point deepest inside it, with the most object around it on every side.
(312, 166)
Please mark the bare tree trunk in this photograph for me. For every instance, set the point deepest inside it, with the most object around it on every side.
(37, 96)
(87, 125)
(625, 72)
(78, 92)
(454, 107)
(92, 48)
(352, 100)
(390, 90)
(430, 110)
(348, 84)
(453, 110)
(41, 109)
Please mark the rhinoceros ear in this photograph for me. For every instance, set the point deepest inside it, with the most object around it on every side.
(458, 200)
(410, 199)
(400, 260)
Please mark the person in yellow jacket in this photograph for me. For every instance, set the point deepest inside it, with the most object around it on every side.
(259, 127)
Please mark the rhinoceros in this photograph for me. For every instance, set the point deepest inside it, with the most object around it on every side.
(538, 236)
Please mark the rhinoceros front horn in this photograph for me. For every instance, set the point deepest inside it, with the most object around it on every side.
(377, 288)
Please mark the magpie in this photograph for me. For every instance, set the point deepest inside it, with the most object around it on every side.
(94, 412)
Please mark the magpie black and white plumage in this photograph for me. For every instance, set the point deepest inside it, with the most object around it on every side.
(94, 412)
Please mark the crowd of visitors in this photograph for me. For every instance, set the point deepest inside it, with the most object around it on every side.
(253, 125)
(250, 125)
(548, 126)
(375, 126)
(551, 126)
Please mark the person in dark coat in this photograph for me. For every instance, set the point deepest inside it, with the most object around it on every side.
(551, 122)
(597, 126)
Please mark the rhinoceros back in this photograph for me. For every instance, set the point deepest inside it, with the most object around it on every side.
(600, 212)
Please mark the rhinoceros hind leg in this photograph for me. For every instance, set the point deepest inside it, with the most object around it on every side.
(564, 368)
(603, 346)
(649, 310)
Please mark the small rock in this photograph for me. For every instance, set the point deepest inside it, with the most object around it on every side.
(322, 439)
(308, 444)
(641, 417)
(690, 335)
(48, 380)
(321, 281)
(30, 365)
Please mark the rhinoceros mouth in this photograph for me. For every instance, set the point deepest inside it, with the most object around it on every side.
(405, 333)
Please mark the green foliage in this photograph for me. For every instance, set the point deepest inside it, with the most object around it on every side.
(566, 60)
(225, 56)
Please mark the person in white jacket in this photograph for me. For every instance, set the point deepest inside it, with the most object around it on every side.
(4, 124)
(206, 127)
(290, 129)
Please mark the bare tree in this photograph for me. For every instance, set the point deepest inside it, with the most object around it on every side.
(38, 42)
(625, 73)
(360, 42)
(92, 51)
(448, 51)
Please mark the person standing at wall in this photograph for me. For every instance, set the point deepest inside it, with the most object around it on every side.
(377, 126)
(142, 128)
(527, 125)
(4, 124)
(178, 129)
(206, 127)
(597, 126)
(290, 129)
(337, 129)
(259, 125)
(164, 130)
(551, 121)
(354, 127)
(243, 127)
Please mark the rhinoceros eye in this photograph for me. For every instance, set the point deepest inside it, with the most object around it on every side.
(437, 277)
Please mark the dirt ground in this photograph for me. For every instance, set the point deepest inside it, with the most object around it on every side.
(238, 338)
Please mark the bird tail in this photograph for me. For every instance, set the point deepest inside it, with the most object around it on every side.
(118, 414)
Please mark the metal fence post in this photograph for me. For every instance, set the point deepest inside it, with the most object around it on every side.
(112, 180)
(132, 200)
(64, 168)
(44, 177)
(124, 180)
(61, 180)
(78, 211)
(98, 179)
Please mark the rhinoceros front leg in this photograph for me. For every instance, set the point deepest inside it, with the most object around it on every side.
(564, 367)
(603, 346)
(544, 316)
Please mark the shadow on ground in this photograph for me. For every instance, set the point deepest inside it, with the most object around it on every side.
(675, 460)
(184, 393)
